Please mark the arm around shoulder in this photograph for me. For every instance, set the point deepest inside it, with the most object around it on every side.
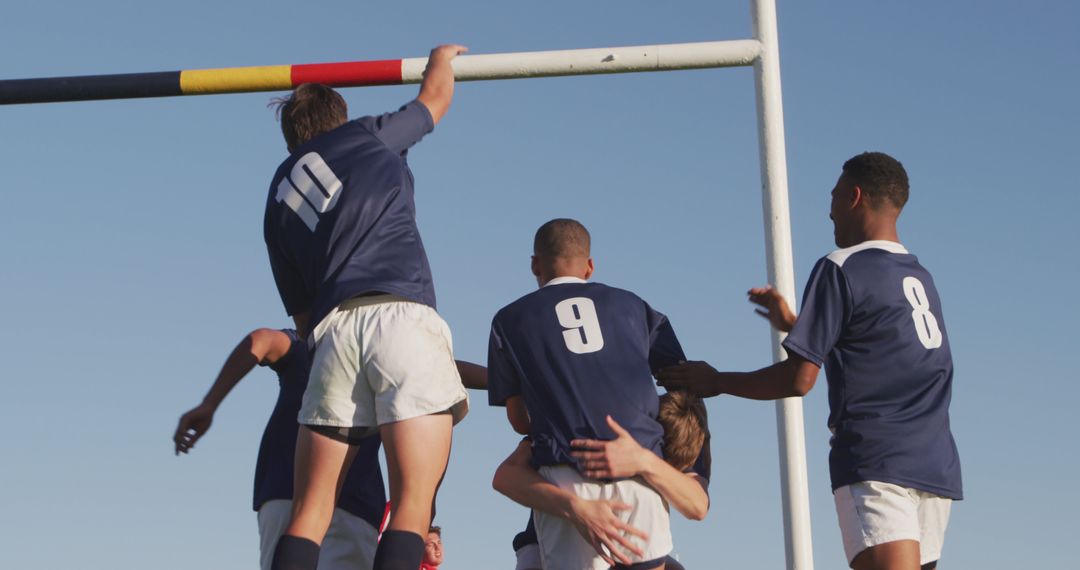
(623, 457)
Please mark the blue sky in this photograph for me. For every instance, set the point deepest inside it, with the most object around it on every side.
(132, 257)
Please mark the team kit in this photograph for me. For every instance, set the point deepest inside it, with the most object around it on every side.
(603, 457)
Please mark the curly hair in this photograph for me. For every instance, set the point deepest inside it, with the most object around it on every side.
(309, 111)
(880, 176)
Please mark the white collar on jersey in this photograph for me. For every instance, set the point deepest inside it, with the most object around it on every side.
(565, 279)
(841, 255)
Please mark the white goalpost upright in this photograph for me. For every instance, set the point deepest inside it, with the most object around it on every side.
(794, 489)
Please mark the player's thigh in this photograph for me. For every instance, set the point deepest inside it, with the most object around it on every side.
(417, 451)
(350, 543)
(408, 362)
(873, 514)
(320, 462)
(273, 517)
(894, 555)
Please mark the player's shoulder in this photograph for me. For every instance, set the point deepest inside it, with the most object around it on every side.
(603, 289)
(515, 307)
(873, 251)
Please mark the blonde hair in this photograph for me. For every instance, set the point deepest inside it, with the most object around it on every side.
(686, 428)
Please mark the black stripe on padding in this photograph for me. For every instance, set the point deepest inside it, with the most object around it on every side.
(89, 87)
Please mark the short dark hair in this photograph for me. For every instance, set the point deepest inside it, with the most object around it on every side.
(880, 176)
(435, 530)
(562, 237)
(309, 111)
(686, 427)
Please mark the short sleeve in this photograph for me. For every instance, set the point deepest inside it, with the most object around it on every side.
(403, 128)
(664, 347)
(503, 379)
(825, 309)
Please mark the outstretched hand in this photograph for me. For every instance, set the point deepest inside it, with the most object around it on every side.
(774, 308)
(694, 376)
(193, 425)
(598, 524)
(619, 458)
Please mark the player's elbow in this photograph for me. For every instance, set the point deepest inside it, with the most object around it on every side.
(802, 375)
(697, 512)
(801, 387)
(259, 341)
(501, 481)
(521, 426)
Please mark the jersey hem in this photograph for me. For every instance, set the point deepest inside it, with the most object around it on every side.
(901, 481)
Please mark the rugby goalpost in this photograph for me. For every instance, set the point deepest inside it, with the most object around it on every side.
(762, 52)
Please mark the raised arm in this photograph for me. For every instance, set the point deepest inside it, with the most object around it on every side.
(437, 89)
(595, 520)
(262, 345)
(789, 378)
(773, 307)
(622, 457)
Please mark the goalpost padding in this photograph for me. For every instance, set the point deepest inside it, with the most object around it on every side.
(517, 65)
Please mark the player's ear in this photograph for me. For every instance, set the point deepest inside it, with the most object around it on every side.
(857, 196)
(590, 270)
(535, 266)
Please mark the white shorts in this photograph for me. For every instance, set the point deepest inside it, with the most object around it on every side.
(528, 558)
(562, 547)
(350, 542)
(378, 360)
(873, 513)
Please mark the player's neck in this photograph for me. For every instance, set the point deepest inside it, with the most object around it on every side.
(878, 228)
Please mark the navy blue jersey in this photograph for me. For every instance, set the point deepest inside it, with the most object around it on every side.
(872, 316)
(362, 493)
(340, 218)
(577, 352)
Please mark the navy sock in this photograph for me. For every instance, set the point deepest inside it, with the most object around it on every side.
(399, 550)
(295, 553)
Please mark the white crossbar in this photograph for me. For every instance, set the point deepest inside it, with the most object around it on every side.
(630, 59)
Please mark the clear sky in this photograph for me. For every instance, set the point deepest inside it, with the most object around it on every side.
(132, 254)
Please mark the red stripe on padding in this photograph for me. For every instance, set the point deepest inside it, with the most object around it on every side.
(349, 74)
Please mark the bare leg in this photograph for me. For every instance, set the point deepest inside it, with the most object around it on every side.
(321, 465)
(896, 555)
(417, 451)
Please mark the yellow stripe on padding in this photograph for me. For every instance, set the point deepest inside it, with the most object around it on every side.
(236, 79)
